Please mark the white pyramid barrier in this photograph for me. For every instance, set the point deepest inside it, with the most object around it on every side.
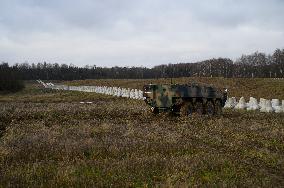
(132, 94)
(136, 94)
(267, 107)
(49, 84)
(230, 103)
(252, 104)
(241, 104)
(141, 96)
(278, 108)
(234, 101)
(42, 83)
(276, 104)
(262, 102)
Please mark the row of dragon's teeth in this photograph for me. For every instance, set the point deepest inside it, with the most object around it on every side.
(113, 91)
(264, 105)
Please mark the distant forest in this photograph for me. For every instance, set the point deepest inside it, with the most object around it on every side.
(254, 65)
(10, 80)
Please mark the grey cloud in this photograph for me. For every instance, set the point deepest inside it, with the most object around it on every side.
(100, 15)
(134, 32)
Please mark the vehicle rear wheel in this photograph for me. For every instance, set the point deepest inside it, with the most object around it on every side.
(186, 109)
(210, 109)
(199, 108)
(218, 107)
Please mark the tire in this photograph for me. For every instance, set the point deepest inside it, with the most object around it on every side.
(210, 108)
(218, 107)
(155, 110)
(175, 111)
(186, 109)
(199, 108)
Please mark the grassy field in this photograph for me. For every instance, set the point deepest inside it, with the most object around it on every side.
(49, 139)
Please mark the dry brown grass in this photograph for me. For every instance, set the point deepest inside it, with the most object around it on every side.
(48, 139)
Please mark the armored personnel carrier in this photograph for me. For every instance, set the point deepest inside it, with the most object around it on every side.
(184, 99)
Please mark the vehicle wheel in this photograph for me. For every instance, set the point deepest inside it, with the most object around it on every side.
(210, 109)
(199, 108)
(186, 109)
(154, 110)
(175, 110)
(218, 107)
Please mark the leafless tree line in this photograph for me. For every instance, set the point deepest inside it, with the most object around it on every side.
(253, 65)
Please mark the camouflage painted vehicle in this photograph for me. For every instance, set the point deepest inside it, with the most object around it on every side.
(184, 99)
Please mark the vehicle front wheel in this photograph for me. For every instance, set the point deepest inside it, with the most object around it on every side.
(218, 107)
(186, 109)
(154, 110)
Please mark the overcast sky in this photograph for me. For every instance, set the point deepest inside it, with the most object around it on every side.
(137, 32)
